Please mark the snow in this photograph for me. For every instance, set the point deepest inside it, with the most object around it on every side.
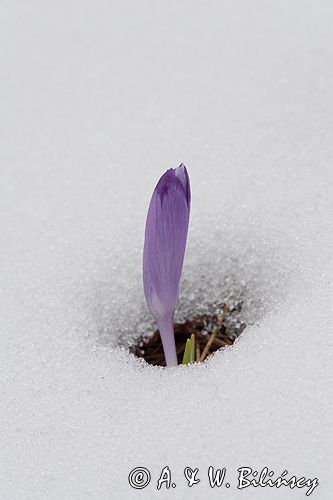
(98, 99)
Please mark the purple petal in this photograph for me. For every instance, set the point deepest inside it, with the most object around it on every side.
(165, 241)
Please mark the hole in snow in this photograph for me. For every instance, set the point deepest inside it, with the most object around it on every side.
(216, 329)
(250, 278)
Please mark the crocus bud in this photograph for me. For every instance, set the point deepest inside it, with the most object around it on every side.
(164, 249)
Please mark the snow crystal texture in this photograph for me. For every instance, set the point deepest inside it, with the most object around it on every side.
(98, 99)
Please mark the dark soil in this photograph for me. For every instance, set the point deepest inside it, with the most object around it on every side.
(213, 331)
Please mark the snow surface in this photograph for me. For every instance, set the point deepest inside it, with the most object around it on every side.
(98, 99)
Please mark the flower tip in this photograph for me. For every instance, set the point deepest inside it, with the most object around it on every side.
(180, 171)
(182, 176)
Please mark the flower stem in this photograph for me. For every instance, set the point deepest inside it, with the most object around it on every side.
(165, 326)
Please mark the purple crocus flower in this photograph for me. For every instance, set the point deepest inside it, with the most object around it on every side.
(163, 254)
